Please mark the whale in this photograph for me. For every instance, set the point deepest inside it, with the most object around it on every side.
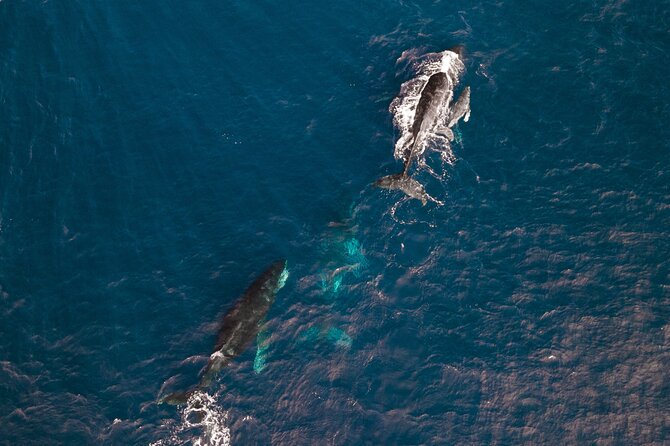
(429, 120)
(426, 117)
(238, 327)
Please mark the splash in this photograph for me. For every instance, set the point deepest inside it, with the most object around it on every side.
(263, 336)
(202, 412)
(203, 422)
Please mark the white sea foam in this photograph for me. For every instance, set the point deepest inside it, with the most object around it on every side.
(203, 412)
(403, 107)
(203, 422)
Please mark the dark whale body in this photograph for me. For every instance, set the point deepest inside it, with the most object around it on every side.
(427, 112)
(239, 326)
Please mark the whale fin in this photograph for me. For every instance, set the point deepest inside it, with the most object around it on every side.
(262, 345)
(406, 184)
(177, 398)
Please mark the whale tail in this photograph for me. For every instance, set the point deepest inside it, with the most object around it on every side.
(177, 398)
(406, 184)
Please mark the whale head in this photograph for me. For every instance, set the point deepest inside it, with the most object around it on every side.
(458, 49)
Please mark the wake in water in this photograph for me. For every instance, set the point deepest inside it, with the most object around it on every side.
(202, 423)
(426, 113)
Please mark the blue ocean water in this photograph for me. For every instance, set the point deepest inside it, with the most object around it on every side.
(155, 157)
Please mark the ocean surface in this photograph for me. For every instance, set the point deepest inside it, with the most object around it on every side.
(157, 156)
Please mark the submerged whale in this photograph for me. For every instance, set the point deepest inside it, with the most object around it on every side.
(429, 119)
(238, 327)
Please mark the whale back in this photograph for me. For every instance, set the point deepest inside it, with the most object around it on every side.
(436, 84)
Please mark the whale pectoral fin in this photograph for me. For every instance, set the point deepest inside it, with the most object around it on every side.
(260, 360)
(262, 345)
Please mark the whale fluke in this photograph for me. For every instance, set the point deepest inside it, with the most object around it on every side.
(407, 184)
(177, 398)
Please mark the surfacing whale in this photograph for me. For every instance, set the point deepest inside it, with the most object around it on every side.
(238, 327)
(435, 114)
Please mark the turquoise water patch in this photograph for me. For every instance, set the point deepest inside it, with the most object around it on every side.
(353, 261)
(337, 282)
(355, 255)
(332, 334)
(458, 136)
(339, 337)
(262, 346)
(260, 360)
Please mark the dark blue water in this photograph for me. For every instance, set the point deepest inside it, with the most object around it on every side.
(156, 156)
